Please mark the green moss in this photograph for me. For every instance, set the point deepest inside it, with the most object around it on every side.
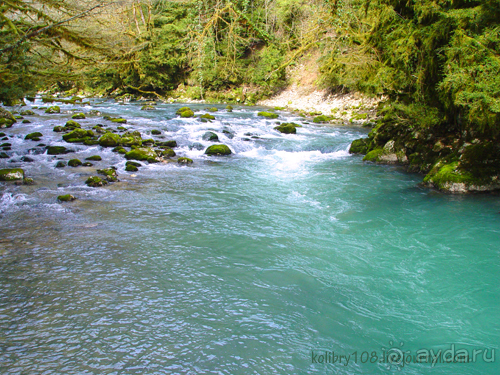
(78, 116)
(155, 132)
(374, 155)
(359, 146)
(110, 140)
(168, 153)
(53, 109)
(34, 136)
(170, 144)
(322, 118)
(218, 150)
(27, 112)
(119, 150)
(95, 181)
(3, 155)
(94, 158)
(287, 128)
(78, 135)
(212, 109)
(269, 115)
(11, 174)
(132, 166)
(74, 163)
(229, 108)
(207, 116)
(66, 198)
(57, 150)
(140, 154)
(147, 108)
(119, 120)
(183, 109)
(72, 125)
(187, 113)
(442, 175)
(110, 174)
(184, 161)
(210, 136)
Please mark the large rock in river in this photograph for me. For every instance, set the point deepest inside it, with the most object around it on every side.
(11, 174)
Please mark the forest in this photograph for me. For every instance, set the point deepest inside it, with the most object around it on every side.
(435, 63)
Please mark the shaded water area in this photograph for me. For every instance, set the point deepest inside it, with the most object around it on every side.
(256, 263)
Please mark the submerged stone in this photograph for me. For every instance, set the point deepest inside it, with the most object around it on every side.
(110, 174)
(34, 136)
(184, 161)
(269, 115)
(210, 136)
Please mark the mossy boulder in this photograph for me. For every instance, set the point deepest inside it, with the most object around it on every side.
(322, 119)
(74, 163)
(26, 122)
(34, 136)
(359, 146)
(155, 132)
(78, 116)
(212, 109)
(229, 108)
(132, 166)
(269, 115)
(170, 144)
(61, 164)
(185, 112)
(27, 112)
(66, 198)
(53, 109)
(109, 140)
(168, 153)
(11, 174)
(94, 158)
(287, 128)
(119, 120)
(57, 150)
(207, 117)
(132, 139)
(7, 119)
(78, 135)
(110, 174)
(71, 124)
(95, 181)
(218, 150)
(3, 155)
(141, 154)
(210, 136)
(98, 129)
(147, 107)
(184, 161)
(58, 129)
(119, 150)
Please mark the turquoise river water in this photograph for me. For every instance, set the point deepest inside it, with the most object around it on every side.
(282, 258)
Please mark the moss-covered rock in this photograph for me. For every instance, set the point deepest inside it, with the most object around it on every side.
(61, 164)
(110, 174)
(132, 139)
(71, 124)
(140, 154)
(3, 155)
(186, 112)
(147, 107)
(78, 135)
(74, 163)
(27, 112)
(98, 129)
(155, 132)
(53, 109)
(66, 198)
(210, 136)
(229, 108)
(207, 117)
(184, 161)
(269, 115)
(95, 181)
(119, 150)
(132, 166)
(169, 144)
(359, 146)
(7, 119)
(58, 129)
(94, 158)
(34, 136)
(26, 122)
(11, 174)
(168, 153)
(57, 150)
(218, 150)
(78, 116)
(119, 120)
(321, 119)
(109, 140)
(287, 128)
(212, 109)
